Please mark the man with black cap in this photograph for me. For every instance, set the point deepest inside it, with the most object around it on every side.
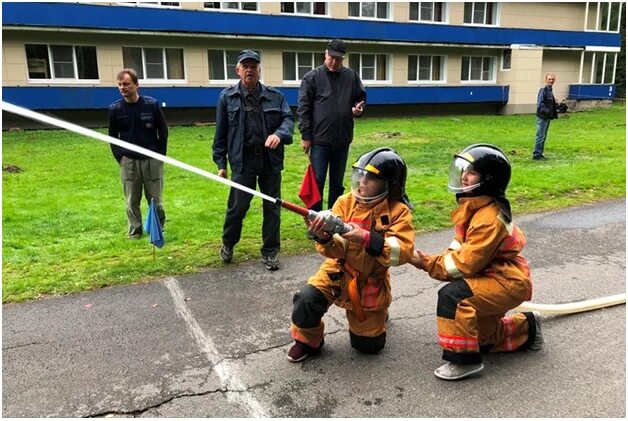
(330, 97)
(253, 123)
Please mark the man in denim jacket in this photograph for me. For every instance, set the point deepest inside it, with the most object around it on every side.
(253, 123)
(546, 110)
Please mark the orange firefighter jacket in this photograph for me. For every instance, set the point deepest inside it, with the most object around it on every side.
(485, 245)
(391, 244)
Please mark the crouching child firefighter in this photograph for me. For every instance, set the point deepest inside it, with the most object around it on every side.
(355, 274)
(485, 272)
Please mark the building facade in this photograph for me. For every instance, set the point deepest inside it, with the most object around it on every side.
(65, 56)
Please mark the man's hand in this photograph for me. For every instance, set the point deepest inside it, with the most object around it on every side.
(306, 145)
(272, 141)
(358, 109)
(222, 173)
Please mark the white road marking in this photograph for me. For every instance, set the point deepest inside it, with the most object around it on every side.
(228, 378)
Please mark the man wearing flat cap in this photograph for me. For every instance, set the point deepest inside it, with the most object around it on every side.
(330, 97)
(253, 123)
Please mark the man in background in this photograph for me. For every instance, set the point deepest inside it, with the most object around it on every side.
(139, 120)
(253, 123)
(330, 97)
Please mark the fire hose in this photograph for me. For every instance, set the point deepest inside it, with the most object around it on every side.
(332, 224)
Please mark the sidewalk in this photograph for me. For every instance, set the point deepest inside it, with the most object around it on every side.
(213, 344)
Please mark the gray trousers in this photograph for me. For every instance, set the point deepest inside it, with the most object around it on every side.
(138, 174)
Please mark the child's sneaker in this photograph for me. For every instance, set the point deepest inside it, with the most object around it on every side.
(226, 253)
(451, 371)
(300, 351)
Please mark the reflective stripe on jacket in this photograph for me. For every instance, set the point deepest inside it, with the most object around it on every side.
(484, 245)
(392, 244)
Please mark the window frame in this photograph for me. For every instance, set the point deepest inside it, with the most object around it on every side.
(158, 4)
(311, 14)
(493, 78)
(51, 70)
(359, 70)
(445, 6)
(296, 64)
(605, 66)
(388, 17)
(443, 69)
(149, 81)
(231, 10)
(225, 67)
(496, 13)
(597, 17)
(502, 68)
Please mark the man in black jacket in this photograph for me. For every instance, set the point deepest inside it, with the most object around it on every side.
(546, 110)
(330, 97)
(138, 119)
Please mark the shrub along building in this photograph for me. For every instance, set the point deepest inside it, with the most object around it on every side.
(415, 57)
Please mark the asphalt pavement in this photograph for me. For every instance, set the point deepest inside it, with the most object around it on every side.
(214, 344)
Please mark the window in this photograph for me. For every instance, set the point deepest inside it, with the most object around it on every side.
(370, 67)
(604, 67)
(61, 62)
(428, 11)
(426, 68)
(506, 59)
(151, 3)
(304, 7)
(246, 6)
(480, 13)
(155, 63)
(603, 16)
(222, 64)
(296, 65)
(373, 10)
(478, 69)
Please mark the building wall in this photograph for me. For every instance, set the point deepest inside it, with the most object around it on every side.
(529, 64)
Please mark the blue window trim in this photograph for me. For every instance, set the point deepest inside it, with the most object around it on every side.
(91, 98)
(89, 16)
(592, 91)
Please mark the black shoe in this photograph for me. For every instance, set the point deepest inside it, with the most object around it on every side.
(226, 253)
(271, 262)
(540, 158)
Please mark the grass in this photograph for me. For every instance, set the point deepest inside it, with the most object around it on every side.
(64, 221)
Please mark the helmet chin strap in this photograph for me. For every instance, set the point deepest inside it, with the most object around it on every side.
(370, 200)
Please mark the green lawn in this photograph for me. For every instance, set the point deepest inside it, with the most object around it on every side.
(64, 222)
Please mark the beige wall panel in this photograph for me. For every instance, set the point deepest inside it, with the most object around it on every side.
(559, 16)
(456, 13)
(270, 7)
(191, 5)
(339, 10)
(401, 11)
(523, 77)
(196, 67)
(14, 74)
(566, 66)
(109, 64)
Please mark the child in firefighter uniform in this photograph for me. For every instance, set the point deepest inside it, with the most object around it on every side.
(355, 274)
(485, 272)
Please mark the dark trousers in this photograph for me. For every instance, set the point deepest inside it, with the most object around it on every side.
(257, 171)
(334, 158)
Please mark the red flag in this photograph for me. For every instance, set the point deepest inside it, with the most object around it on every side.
(309, 193)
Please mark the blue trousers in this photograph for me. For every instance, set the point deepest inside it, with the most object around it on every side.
(542, 125)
